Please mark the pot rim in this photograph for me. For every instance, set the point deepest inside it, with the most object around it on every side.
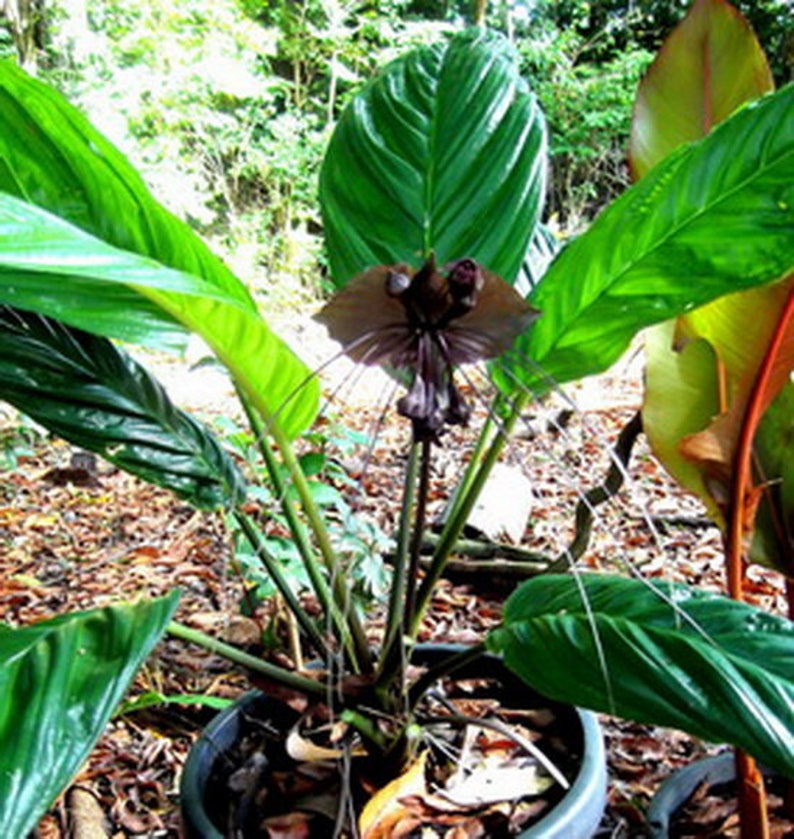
(676, 789)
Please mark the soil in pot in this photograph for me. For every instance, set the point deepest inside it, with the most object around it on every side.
(256, 788)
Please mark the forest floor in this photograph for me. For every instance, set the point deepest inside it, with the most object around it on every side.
(73, 538)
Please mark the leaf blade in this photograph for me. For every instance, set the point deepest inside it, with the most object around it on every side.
(54, 159)
(709, 65)
(87, 391)
(708, 665)
(714, 217)
(444, 152)
(52, 267)
(68, 674)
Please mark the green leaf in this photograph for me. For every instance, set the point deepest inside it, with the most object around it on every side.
(682, 396)
(443, 152)
(715, 217)
(89, 392)
(773, 539)
(53, 157)
(49, 266)
(707, 67)
(669, 655)
(153, 698)
(60, 681)
(700, 376)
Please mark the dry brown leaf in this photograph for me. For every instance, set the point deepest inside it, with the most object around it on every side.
(384, 811)
(290, 826)
(496, 780)
(86, 816)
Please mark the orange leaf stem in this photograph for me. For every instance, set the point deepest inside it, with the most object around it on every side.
(757, 404)
(754, 817)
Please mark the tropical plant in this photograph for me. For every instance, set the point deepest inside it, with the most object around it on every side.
(434, 175)
(718, 396)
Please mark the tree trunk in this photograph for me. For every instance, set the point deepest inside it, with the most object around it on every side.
(25, 19)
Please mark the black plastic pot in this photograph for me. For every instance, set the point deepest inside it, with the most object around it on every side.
(681, 785)
(676, 790)
(576, 816)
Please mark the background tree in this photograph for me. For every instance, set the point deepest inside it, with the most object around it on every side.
(25, 21)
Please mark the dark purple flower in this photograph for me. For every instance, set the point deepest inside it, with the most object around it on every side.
(427, 322)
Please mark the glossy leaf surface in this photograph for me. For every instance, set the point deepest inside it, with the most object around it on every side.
(61, 680)
(773, 540)
(715, 217)
(88, 275)
(700, 397)
(86, 390)
(716, 668)
(52, 267)
(53, 157)
(443, 152)
(700, 375)
(742, 354)
(682, 396)
(707, 67)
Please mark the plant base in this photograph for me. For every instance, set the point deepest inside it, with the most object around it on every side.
(575, 816)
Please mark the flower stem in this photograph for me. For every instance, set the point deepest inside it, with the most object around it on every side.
(419, 528)
(455, 523)
(343, 613)
(395, 613)
(336, 602)
(409, 547)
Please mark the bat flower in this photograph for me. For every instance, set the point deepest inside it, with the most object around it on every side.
(427, 323)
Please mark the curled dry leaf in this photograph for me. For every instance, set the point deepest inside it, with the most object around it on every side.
(386, 808)
(302, 749)
(497, 779)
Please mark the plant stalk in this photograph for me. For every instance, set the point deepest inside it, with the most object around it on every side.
(753, 815)
(296, 526)
(349, 625)
(455, 524)
(278, 674)
(337, 604)
(390, 667)
(274, 570)
(598, 495)
(401, 559)
(475, 461)
(419, 528)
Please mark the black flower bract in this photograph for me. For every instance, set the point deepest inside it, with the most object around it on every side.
(427, 322)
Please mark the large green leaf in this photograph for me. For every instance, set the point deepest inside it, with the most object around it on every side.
(674, 656)
(52, 157)
(715, 217)
(52, 267)
(60, 681)
(707, 67)
(443, 152)
(89, 392)
(701, 375)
